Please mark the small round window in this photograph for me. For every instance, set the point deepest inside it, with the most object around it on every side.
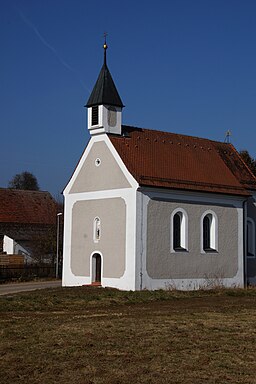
(98, 162)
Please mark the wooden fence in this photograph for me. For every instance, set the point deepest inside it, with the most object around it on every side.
(11, 259)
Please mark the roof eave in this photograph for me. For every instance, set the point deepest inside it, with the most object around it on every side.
(242, 194)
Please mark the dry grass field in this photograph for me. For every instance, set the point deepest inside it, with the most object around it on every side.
(104, 336)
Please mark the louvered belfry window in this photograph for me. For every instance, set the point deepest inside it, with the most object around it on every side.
(95, 115)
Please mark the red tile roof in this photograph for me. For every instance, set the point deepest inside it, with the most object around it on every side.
(27, 207)
(163, 159)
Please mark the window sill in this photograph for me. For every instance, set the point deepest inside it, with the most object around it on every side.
(179, 250)
(209, 250)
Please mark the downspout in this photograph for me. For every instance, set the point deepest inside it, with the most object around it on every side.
(141, 240)
(245, 241)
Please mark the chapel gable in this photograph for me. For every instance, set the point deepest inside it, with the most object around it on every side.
(99, 171)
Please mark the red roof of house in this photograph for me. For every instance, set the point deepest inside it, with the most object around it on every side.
(163, 159)
(27, 207)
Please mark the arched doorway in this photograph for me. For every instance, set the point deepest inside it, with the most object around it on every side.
(96, 268)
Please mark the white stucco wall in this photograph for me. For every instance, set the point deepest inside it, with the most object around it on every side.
(126, 191)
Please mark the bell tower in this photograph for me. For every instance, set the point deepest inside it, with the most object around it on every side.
(104, 104)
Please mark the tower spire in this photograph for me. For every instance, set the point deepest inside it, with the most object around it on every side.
(104, 104)
(104, 91)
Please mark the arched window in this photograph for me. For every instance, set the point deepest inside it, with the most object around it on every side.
(96, 229)
(209, 232)
(179, 229)
(177, 218)
(250, 237)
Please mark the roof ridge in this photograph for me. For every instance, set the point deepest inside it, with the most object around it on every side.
(23, 190)
(175, 134)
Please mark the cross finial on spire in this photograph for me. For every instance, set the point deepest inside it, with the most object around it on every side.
(105, 40)
(105, 47)
(227, 138)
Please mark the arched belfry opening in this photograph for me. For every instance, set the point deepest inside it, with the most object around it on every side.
(96, 268)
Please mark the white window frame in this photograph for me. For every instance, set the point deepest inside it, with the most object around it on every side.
(183, 230)
(96, 228)
(213, 232)
(251, 238)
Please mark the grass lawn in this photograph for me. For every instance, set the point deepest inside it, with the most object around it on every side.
(99, 336)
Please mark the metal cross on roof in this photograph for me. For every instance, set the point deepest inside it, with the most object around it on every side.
(105, 40)
(227, 137)
(105, 48)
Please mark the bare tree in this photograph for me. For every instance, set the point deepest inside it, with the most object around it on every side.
(249, 160)
(24, 180)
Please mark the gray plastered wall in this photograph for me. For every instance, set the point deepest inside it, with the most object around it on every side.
(162, 264)
(105, 176)
(112, 214)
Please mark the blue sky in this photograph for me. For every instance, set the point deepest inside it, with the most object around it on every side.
(184, 66)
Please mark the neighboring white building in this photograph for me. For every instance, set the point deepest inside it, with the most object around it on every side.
(149, 209)
(11, 247)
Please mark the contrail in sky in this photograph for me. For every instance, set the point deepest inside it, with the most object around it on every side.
(46, 44)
